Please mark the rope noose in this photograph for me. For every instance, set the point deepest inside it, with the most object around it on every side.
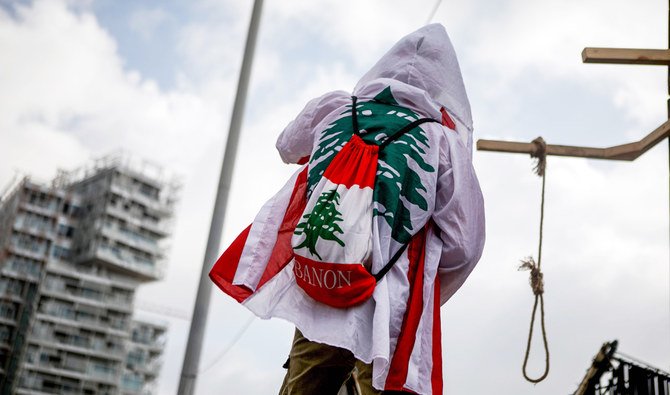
(536, 276)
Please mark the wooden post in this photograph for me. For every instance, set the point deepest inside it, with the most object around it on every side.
(626, 56)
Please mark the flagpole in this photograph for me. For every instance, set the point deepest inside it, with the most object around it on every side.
(189, 372)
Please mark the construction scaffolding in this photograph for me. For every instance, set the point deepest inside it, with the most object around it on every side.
(72, 253)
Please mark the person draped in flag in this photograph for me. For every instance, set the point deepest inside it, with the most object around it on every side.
(379, 227)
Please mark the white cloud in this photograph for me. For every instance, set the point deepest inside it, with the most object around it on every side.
(363, 30)
(62, 73)
(522, 40)
(146, 21)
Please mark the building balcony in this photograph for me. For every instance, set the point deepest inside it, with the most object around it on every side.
(52, 287)
(89, 348)
(160, 206)
(133, 240)
(114, 355)
(32, 384)
(28, 390)
(89, 374)
(35, 229)
(125, 262)
(49, 210)
(89, 274)
(20, 270)
(153, 346)
(39, 254)
(10, 294)
(105, 376)
(12, 291)
(115, 327)
(152, 368)
(160, 228)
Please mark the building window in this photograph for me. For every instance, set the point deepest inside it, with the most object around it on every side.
(41, 199)
(132, 382)
(75, 211)
(26, 266)
(60, 253)
(135, 358)
(28, 242)
(11, 287)
(149, 191)
(65, 231)
(5, 334)
(7, 310)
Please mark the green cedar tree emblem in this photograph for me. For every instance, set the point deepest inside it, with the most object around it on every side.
(397, 185)
(321, 222)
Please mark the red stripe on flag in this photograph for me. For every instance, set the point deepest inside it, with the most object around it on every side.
(223, 272)
(436, 373)
(282, 253)
(446, 119)
(400, 361)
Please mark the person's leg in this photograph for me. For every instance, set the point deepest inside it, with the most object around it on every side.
(364, 378)
(315, 368)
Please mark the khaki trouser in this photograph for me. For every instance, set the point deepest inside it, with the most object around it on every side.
(320, 369)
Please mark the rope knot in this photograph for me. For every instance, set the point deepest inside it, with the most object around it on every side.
(536, 277)
(541, 154)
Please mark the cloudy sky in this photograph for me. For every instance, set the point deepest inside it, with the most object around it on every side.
(81, 79)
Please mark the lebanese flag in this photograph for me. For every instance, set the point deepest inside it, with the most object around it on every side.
(264, 249)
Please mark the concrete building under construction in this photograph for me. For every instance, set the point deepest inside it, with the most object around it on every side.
(72, 254)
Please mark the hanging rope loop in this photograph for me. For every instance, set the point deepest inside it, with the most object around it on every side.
(536, 279)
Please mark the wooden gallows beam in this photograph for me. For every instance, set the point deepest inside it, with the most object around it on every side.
(660, 57)
(630, 151)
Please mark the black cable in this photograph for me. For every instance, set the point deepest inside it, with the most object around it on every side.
(230, 345)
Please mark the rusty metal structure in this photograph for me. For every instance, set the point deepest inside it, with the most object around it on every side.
(612, 373)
